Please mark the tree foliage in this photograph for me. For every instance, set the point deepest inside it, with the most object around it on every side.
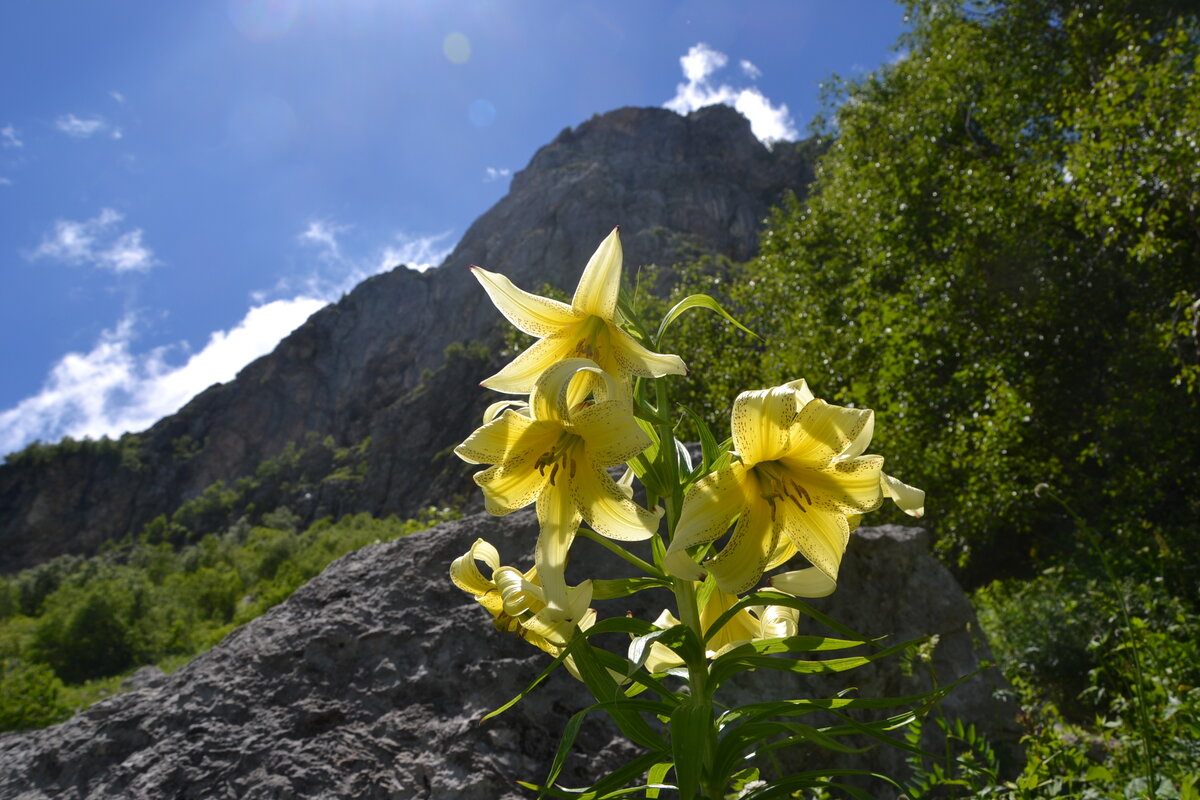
(999, 255)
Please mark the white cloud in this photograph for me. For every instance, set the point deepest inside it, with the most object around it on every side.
(97, 242)
(5, 182)
(8, 137)
(324, 233)
(494, 174)
(111, 390)
(768, 121)
(115, 95)
(81, 128)
(701, 61)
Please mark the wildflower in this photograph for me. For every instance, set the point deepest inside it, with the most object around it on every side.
(795, 482)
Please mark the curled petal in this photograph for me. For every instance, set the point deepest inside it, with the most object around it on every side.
(520, 374)
(608, 510)
(600, 282)
(743, 559)
(464, 570)
(553, 395)
(536, 315)
(910, 499)
(558, 520)
(708, 510)
(762, 423)
(500, 406)
(520, 594)
(779, 621)
(810, 582)
(827, 432)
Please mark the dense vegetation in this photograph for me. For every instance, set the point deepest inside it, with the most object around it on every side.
(1001, 256)
(72, 628)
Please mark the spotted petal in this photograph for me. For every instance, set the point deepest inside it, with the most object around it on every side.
(600, 283)
(708, 510)
(536, 315)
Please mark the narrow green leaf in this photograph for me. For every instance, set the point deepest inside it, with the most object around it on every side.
(691, 745)
(614, 589)
(696, 301)
(565, 743)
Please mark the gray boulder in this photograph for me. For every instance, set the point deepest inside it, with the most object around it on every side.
(370, 681)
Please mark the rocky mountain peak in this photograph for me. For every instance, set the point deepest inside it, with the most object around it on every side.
(375, 363)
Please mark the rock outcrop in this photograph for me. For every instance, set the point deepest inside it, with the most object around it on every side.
(374, 364)
(369, 682)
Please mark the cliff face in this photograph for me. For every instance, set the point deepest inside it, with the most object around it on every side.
(375, 363)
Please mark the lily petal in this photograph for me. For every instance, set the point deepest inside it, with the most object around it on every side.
(519, 375)
(611, 433)
(531, 313)
(762, 423)
(743, 559)
(632, 357)
(820, 536)
(910, 499)
(810, 582)
(607, 509)
(505, 437)
(558, 520)
(708, 510)
(465, 572)
(600, 283)
(510, 485)
(826, 431)
(849, 486)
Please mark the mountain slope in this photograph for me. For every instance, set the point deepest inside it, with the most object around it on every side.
(375, 364)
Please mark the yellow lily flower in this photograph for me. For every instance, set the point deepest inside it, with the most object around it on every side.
(587, 328)
(797, 478)
(516, 601)
(555, 452)
(748, 625)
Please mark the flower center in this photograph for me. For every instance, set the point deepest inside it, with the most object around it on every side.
(775, 482)
(593, 339)
(560, 456)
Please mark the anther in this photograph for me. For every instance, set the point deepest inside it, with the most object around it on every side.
(554, 472)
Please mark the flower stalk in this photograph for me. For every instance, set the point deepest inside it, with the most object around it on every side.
(792, 480)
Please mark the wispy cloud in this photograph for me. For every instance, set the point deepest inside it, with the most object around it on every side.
(98, 242)
(324, 234)
(115, 95)
(5, 182)
(768, 121)
(495, 174)
(110, 389)
(86, 128)
(9, 138)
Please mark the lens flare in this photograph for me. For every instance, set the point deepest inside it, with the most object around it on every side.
(482, 113)
(457, 48)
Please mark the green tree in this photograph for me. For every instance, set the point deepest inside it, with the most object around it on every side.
(999, 256)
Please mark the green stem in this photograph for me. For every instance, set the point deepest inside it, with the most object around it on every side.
(616, 549)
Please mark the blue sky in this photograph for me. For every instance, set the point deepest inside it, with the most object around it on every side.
(183, 183)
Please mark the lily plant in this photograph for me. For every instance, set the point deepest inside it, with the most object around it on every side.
(790, 484)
